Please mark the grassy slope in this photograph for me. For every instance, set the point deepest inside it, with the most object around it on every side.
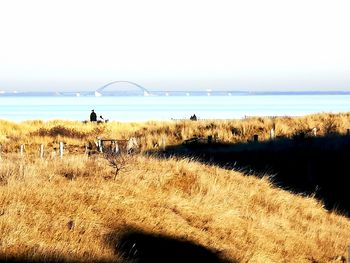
(244, 217)
(150, 134)
(67, 208)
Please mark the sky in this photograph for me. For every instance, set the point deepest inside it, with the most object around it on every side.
(74, 45)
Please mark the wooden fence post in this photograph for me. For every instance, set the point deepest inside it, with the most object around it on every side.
(116, 147)
(100, 145)
(272, 134)
(314, 131)
(61, 149)
(21, 149)
(163, 143)
(41, 151)
(256, 138)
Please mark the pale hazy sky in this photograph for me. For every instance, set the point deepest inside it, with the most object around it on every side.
(182, 44)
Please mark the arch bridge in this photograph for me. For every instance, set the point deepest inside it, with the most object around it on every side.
(144, 90)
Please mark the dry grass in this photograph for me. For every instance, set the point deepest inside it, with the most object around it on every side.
(150, 134)
(66, 209)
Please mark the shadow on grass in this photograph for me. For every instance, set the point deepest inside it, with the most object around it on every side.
(312, 165)
(141, 247)
(40, 258)
(133, 246)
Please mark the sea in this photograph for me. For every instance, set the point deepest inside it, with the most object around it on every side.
(144, 108)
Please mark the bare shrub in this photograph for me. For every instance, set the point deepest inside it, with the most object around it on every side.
(117, 162)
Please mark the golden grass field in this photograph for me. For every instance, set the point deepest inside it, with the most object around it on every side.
(74, 208)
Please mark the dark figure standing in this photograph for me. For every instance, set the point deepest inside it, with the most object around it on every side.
(93, 116)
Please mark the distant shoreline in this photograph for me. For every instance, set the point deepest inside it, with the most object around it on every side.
(165, 93)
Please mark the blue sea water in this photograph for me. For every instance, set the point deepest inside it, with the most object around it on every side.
(139, 108)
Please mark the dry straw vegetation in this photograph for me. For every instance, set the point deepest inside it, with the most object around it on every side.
(68, 209)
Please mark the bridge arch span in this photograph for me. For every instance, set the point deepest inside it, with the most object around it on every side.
(145, 91)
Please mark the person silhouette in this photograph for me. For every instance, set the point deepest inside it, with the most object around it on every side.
(193, 118)
(93, 116)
